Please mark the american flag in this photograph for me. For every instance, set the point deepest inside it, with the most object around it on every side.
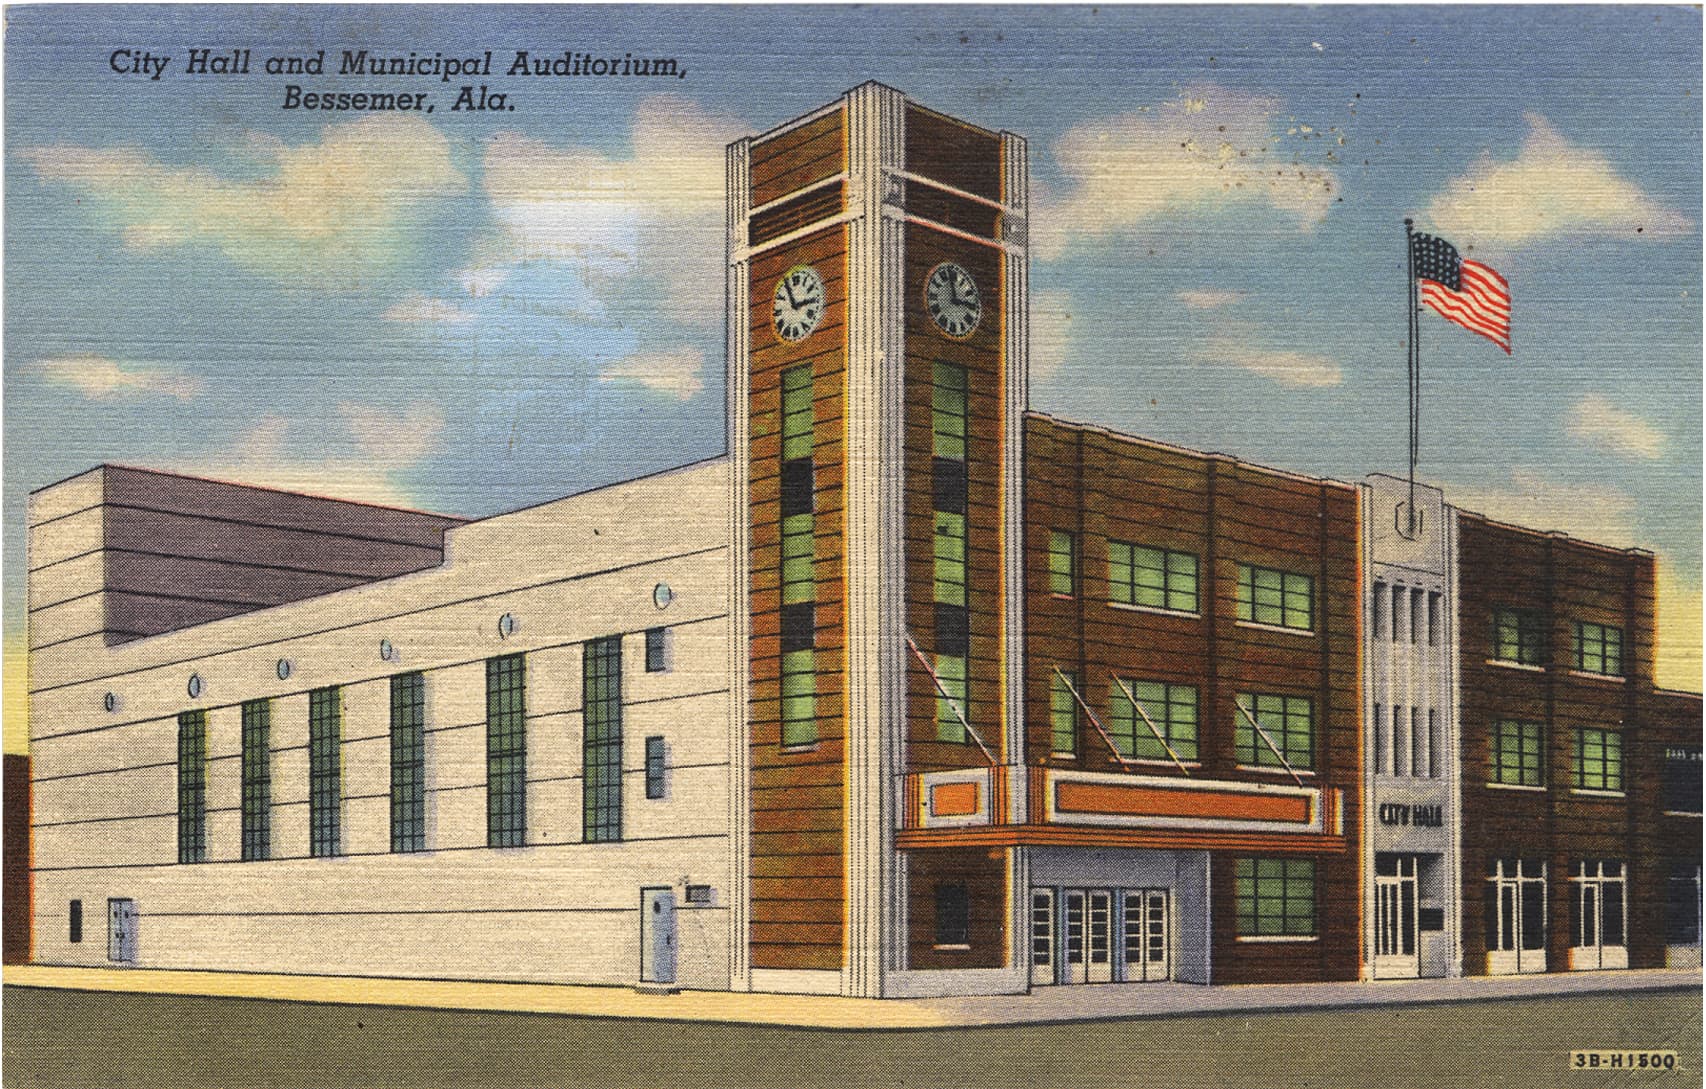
(1465, 292)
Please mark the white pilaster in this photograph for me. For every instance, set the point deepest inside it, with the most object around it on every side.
(738, 381)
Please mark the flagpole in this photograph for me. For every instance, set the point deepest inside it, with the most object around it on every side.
(1415, 364)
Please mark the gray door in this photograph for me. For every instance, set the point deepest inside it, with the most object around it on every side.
(657, 935)
(121, 931)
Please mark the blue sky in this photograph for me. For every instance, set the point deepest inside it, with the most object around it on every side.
(471, 312)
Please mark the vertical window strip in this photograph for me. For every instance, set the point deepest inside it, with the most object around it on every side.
(325, 772)
(1282, 599)
(192, 786)
(1063, 712)
(601, 745)
(1062, 563)
(951, 671)
(950, 558)
(257, 780)
(506, 751)
(1289, 721)
(408, 762)
(948, 411)
(1173, 709)
(654, 767)
(797, 412)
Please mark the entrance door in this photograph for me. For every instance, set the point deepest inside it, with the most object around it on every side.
(657, 936)
(1042, 936)
(1395, 936)
(1073, 937)
(1100, 968)
(121, 931)
(1596, 915)
(1516, 916)
(1148, 937)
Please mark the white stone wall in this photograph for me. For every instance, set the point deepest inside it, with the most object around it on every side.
(105, 796)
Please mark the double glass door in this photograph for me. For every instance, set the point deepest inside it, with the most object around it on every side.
(1516, 916)
(1395, 933)
(1100, 935)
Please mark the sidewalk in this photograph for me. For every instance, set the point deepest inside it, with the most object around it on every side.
(1047, 1004)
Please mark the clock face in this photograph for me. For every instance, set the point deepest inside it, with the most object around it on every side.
(951, 296)
(798, 303)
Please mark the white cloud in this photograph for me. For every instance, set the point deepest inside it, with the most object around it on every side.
(102, 379)
(276, 453)
(1211, 147)
(1300, 369)
(676, 373)
(1207, 299)
(391, 438)
(332, 211)
(420, 309)
(1588, 512)
(1051, 332)
(1551, 189)
(1597, 422)
(658, 212)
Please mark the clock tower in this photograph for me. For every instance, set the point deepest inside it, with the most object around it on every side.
(877, 387)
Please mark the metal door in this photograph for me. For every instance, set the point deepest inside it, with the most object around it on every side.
(1042, 936)
(657, 935)
(1396, 952)
(1148, 936)
(121, 931)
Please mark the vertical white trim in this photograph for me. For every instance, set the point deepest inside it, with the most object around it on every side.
(1371, 732)
(1015, 184)
(875, 603)
(738, 382)
(1452, 764)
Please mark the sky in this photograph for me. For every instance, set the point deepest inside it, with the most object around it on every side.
(472, 310)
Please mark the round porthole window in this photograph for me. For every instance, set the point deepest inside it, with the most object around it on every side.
(662, 595)
(284, 669)
(387, 652)
(507, 625)
(195, 686)
(111, 703)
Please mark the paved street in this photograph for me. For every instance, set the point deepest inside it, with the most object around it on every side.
(86, 1040)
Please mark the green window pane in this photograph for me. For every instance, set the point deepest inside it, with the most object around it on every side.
(1063, 712)
(1062, 576)
(1119, 572)
(797, 412)
(950, 544)
(951, 672)
(948, 411)
(799, 697)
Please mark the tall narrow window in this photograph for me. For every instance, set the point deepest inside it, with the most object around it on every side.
(1418, 616)
(654, 767)
(1433, 619)
(799, 579)
(953, 917)
(1380, 620)
(948, 423)
(408, 762)
(257, 780)
(1063, 712)
(601, 744)
(1283, 599)
(325, 772)
(76, 934)
(657, 650)
(1062, 563)
(506, 751)
(192, 786)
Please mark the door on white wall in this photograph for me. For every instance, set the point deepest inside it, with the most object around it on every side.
(657, 935)
(1100, 966)
(1148, 936)
(121, 931)
(1072, 936)
(1042, 936)
(1395, 935)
